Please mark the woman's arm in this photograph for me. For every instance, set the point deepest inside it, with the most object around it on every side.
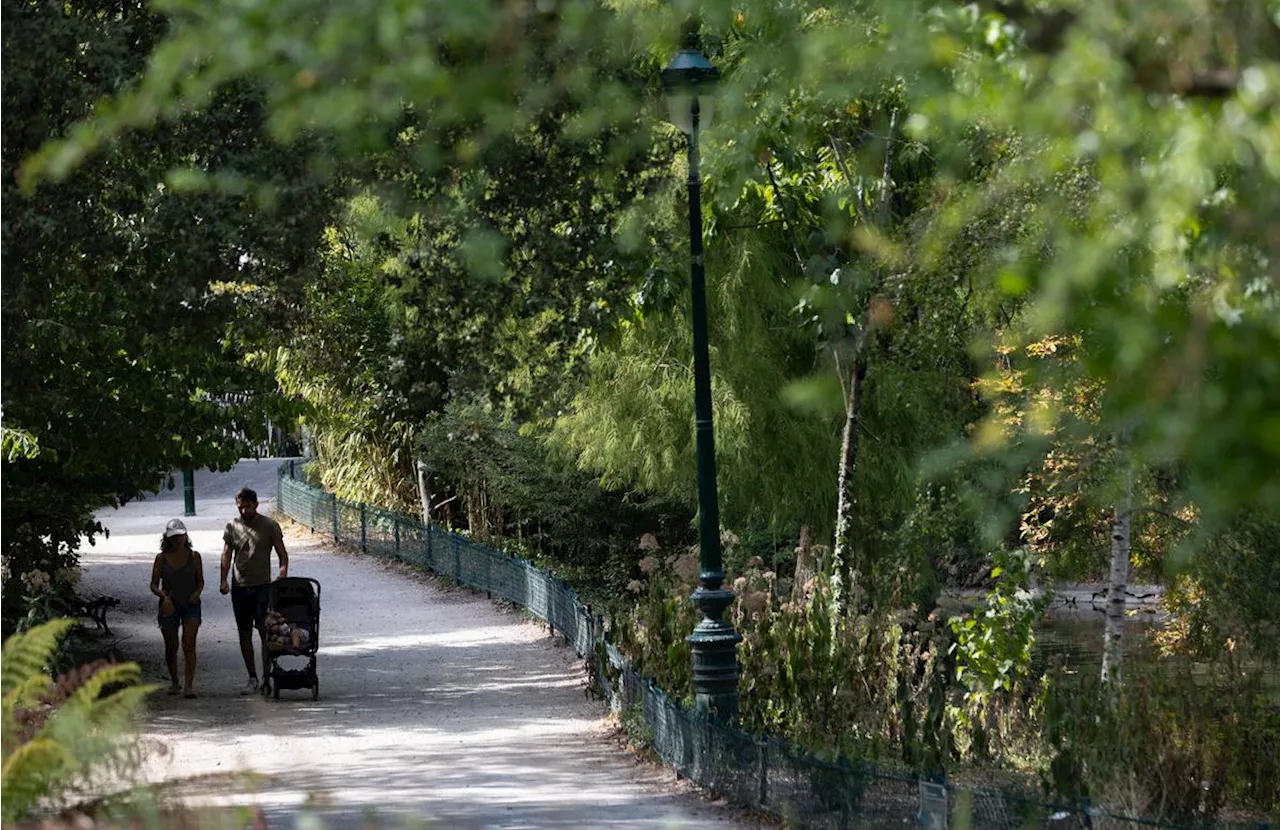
(194, 598)
(155, 578)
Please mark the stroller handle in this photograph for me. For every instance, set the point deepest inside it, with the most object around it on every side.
(284, 580)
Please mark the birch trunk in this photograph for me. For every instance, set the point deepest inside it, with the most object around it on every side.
(847, 494)
(424, 492)
(848, 497)
(1117, 589)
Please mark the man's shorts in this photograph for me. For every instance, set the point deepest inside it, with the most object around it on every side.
(179, 616)
(249, 602)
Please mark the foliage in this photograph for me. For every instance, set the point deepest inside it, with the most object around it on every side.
(1035, 231)
(489, 279)
(832, 681)
(508, 489)
(1165, 747)
(632, 421)
(1225, 599)
(122, 282)
(334, 359)
(993, 646)
(1137, 146)
(653, 632)
(61, 736)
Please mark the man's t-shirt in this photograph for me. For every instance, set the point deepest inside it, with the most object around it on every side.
(251, 543)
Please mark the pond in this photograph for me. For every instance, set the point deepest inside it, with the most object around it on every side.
(1071, 633)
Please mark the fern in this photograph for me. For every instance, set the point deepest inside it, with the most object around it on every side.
(26, 654)
(85, 698)
(27, 772)
(28, 691)
(63, 738)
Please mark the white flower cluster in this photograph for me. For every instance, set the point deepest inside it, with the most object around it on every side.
(36, 582)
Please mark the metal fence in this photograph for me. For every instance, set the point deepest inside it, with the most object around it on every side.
(752, 771)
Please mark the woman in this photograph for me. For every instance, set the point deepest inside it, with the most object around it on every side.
(177, 578)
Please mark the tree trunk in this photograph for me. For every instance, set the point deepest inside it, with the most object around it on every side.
(424, 492)
(846, 506)
(1113, 636)
(806, 568)
(848, 498)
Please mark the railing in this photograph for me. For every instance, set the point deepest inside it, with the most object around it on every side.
(761, 773)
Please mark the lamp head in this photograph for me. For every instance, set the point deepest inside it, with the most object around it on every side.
(688, 78)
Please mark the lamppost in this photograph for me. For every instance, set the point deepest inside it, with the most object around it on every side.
(689, 81)
(188, 491)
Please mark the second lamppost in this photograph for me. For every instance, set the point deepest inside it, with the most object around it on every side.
(689, 81)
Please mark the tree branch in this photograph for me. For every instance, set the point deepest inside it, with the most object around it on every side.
(790, 226)
(1164, 513)
(886, 181)
(858, 207)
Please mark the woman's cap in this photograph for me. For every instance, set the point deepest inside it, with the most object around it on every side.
(175, 528)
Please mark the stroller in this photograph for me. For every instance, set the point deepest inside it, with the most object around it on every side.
(293, 630)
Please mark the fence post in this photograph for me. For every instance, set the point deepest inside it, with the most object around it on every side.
(845, 807)
(457, 562)
(488, 575)
(426, 532)
(763, 793)
(551, 625)
(335, 517)
(364, 525)
(396, 524)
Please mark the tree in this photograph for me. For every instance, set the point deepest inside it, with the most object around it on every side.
(490, 280)
(129, 299)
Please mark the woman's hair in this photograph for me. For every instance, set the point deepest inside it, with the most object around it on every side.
(167, 543)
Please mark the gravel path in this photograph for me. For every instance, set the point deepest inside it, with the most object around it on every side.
(436, 705)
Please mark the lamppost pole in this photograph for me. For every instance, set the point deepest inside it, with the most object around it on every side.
(714, 642)
(188, 492)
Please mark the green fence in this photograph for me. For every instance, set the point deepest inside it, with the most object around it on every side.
(761, 773)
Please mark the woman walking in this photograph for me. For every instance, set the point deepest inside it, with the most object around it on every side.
(177, 578)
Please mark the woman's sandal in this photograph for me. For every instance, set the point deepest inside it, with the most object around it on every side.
(188, 694)
(174, 690)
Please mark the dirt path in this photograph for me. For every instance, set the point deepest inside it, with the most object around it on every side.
(435, 706)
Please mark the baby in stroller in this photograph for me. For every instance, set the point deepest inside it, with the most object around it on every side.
(283, 635)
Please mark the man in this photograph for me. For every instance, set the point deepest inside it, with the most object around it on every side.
(246, 547)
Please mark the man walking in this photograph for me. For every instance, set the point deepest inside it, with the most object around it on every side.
(246, 553)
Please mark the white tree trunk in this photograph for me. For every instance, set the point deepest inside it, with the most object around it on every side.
(424, 492)
(1113, 635)
(847, 482)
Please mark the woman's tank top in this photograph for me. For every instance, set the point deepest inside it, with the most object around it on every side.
(180, 583)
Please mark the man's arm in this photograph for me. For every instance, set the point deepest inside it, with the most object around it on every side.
(281, 553)
(226, 568)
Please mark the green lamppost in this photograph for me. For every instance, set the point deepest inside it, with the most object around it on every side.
(188, 492)
(689, 80)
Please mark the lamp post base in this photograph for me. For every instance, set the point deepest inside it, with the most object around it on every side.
(715, 657)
